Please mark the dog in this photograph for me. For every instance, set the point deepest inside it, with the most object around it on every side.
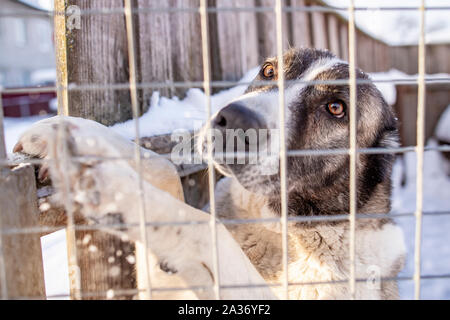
(250, 255)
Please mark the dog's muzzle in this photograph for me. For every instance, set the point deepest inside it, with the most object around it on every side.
(237, 116)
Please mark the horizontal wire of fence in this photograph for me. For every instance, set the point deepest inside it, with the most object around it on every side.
(215, 84)
(122, 292)
(94, 226)
(291, 153)
(244, 9)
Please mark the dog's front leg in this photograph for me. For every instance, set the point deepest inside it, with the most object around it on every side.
(179, 236)
(92, 139)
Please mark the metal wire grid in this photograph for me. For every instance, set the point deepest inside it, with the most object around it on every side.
(62, 88)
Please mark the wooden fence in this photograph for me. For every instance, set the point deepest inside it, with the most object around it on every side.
(437, 100)
(168, 47)
(437, 59)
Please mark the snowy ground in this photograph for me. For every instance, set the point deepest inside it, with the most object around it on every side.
(168, 114)
(435, 230)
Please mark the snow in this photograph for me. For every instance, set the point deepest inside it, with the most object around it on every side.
(40, 4)
(166, 114)
(399, 27)
(56, 270)
(435, 236)
(387, 89)
(443, 126)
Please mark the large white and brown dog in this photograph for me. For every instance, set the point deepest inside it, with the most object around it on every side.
(181, 255)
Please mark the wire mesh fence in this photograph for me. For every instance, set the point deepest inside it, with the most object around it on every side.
(279, 8)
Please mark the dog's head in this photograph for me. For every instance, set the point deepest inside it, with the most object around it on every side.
(316, 118)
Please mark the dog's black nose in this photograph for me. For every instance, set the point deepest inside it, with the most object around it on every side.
(237, 116)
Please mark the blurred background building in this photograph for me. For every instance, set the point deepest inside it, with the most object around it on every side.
(27, 51)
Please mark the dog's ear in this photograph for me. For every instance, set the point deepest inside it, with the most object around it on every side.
(390, 139)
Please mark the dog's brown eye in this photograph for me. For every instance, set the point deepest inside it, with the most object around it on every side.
(337, 109)
(269, 71)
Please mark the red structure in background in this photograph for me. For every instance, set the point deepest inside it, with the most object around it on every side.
(26, 104)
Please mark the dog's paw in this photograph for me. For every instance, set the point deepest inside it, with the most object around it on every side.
(35, 141)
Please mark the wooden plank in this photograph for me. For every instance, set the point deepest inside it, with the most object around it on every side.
(266, 25)
(22, 252)
(438, 58)
(186, 44)
(236, 38)
(154, 48)
(333, 35)
(343, 34)
(361, 56)
(168, 46)
(438, 96)
(301, 32)
(319, 30)
(382, 59)
(370, 54)
(97, 55)
(362, 52)
(107, 264)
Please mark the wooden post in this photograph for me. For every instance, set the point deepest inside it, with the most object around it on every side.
(95, 53)
(22, 256)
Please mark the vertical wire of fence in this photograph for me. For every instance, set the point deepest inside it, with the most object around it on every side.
(62, 142)
(211, 175)
(420, 153)
(137, 149)
(353, 145)
(283, 156)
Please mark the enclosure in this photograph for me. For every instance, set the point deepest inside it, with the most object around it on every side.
(148, 68)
